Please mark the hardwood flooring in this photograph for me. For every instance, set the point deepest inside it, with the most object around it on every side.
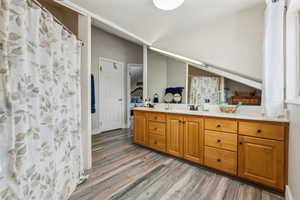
(124, 171)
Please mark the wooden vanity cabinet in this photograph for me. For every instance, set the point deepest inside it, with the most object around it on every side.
(253, 150)
(175, 135)
(193, 139)
(263, 153)
(140, 128)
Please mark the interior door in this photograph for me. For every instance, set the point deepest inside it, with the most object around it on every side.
(262, 160)
(110, 95)
(193, 139)
(175, 135)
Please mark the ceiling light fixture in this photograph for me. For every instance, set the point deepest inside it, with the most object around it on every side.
(167, 4)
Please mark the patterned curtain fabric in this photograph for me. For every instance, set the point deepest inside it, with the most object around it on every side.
(204, 87)
(40, 148)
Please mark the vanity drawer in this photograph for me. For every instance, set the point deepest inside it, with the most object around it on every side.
(157, 128)
(224, 125)
(222, 160)
(158, 117)
(226, 141)
(157, 142)
(262, 130)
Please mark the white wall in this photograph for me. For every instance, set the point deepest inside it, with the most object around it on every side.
(176, 75)
(294, 152)
(157, 74)
(112, 47)
(233, 42)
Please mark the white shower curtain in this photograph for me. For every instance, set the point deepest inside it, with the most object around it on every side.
(204, 87)
(273, 69)
(40, 144)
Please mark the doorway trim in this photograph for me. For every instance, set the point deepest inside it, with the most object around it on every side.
(128, 93)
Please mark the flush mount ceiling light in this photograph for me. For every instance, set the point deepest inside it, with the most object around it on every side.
(167, 4)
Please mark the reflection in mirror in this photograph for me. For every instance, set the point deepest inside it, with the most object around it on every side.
(206, 87)
(166, 79)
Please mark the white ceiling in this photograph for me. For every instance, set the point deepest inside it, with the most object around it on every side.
(223, 33)
(143, 19)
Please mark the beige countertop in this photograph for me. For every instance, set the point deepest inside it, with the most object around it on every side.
(245, 116)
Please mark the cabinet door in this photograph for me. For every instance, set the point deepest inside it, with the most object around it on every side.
(193, 139)
(140, 125)
(175, 135)
(262, 161)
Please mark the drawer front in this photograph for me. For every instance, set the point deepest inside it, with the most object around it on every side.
(221, 160)
(157, 128)
(226, 141)
(262, 130)
(224, 125)
(158, 117)
(157, 142)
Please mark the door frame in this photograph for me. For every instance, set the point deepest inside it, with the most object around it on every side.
(128, 93)
(99, 93)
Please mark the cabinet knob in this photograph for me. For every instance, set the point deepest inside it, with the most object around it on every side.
(258, 131)
(218, 140)
(219, 160)
(241, 142)
(219, 126)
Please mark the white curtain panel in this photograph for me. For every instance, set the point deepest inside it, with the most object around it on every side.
(273, 69)
(204, 87)
(40, 144)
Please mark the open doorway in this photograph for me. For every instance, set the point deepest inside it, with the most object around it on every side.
(135, 89)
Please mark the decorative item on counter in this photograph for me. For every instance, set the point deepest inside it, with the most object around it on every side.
(177, 98)
(225, 108)
(155, 98)
(206, 105)
(147, 102)
(168, 97)
(173, 91)
(193, 108)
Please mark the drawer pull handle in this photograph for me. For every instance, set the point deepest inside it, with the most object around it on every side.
(219, 126)
(258, 131)
(218, 140)
(219, 160)
(241, 142)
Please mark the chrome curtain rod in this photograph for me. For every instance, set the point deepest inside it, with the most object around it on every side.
(55, 19)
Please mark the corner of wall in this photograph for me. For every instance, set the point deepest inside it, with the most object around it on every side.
(288, 193)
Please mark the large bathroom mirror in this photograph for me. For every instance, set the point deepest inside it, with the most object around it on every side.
(173, 81)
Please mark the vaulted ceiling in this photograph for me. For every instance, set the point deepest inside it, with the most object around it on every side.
(195, 29)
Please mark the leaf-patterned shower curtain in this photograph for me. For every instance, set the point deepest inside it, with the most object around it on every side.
(204, 87)
(40, 144)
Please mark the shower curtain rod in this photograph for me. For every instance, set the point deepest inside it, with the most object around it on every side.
(55, 19)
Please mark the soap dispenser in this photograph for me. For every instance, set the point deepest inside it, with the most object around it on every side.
(206, 105)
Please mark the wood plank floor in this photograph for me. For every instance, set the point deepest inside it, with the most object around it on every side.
(122, 170)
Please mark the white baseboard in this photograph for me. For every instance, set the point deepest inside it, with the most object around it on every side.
(288, 193)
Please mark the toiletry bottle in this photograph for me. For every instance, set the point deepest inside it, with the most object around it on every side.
(206, 105)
